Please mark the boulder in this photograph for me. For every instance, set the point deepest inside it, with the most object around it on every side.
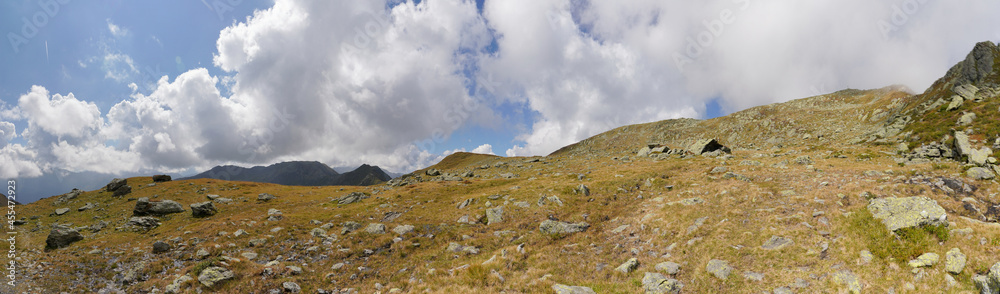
(375, 228)
(68, 196)
(291, 287)
(143, 222)
(175, 286)
(628, 266)
(124, 190)
(898, 213)
(214, 275)
(144, 207)
(669, 267)
(564, 289)
(719, 268)
(954, 261)
(433, 172)
(656, 283)
(403, 229)
(962, 144)
(966, 118)
(989, 283)
(274, 215)
(967, 91)
(557, 227)
(160, 247)
(349, 227)
(88, 206)
(776, 243)
(980, 173)
(956, 103)
(161, 178)
(582, 189)
(980, 157)
(494, 215)
(62, 211)
(265, 197)
(707, 145)
(115, 184)
(848, 279)
(804, 160)
(203, 209)
(61, 236)
(924, 260)
(352, 197)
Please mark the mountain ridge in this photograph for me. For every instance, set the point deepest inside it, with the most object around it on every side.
(297, 173)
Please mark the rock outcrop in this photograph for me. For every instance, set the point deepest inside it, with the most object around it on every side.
(898, 213)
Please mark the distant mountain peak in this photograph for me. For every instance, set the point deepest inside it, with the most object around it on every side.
(297, 173)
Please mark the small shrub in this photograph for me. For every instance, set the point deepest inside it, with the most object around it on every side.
(902, 246)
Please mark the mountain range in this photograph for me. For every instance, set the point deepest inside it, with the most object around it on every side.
(297, 173)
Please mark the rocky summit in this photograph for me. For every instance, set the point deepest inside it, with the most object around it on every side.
(855, 191)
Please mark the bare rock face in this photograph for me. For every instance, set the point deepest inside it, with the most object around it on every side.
(977, 66)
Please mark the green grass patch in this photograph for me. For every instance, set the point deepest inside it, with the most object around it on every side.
(904, 245)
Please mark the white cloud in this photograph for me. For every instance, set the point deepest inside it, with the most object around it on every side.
(18, 161)
(116, 30)
(7, 132)
(61, 116)
(484, 149)
(119, 67)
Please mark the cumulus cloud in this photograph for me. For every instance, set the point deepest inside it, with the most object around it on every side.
(116, 30)
(587, 66)
(350, 82)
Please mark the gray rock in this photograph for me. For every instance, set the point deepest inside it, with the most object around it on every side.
(962, 144)
(557, 227)
(88, 206)
(161, 178)
(669, 267)
(115, 184)
(352, 197)
(294, 270)
(655, 283)
(980, 173)
(848, 279)
(274, 215)
(349, 227)
(776, 243)
(707, 145)
(582, 189)
(954, 261)
(967, 91)
(980, 157)
(318, 232)
(144, 207)
(201, 254)
(61, 236)
(494, 215)
(291, 287)
(375, 228)
(433, 172)
(804, 160)
(465, 203)
(455, 247)
(898, 213)
(69, 196)
(143, 222)
(564, 289)
(214, 275)
(403, 229)
(718, 170)
(160, 247)
(752, 276)
(62, 211)
(956, 103)
(203, 209)
(629, 266)
(783, 290)
(739, 177)
(924, 260)
(124, 190)
(966, 118)
(265, 197)
(719, 268)
(175, 286)
(643, 152)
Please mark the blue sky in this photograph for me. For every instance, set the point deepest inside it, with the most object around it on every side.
(400, 84)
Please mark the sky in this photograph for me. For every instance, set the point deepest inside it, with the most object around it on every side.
(148, 87)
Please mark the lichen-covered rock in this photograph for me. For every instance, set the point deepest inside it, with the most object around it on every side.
(776, 243)
(629, 266)
(214, 275)
(556, 227)
(655, 283)
(564, 289)
(898, 213)
(848, 279)
(494, 215)
(719, 268)
(924, 260)
(352, 197)
(144, 207)
(954, 261)
(669, 267)
(375, 228)
(980, 173)
(203, 209)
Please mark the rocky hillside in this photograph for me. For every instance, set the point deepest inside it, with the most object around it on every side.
(297, 173)
(838, 193)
